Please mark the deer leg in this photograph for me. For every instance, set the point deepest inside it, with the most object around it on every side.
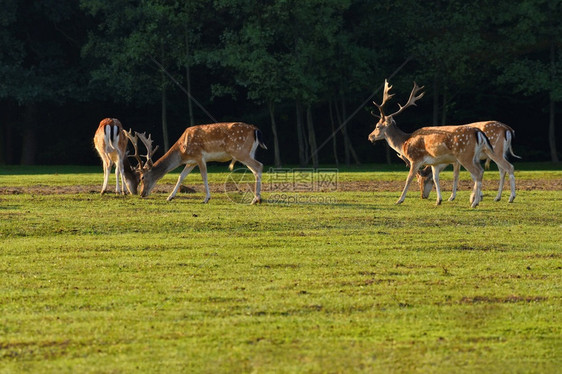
(476, 172)
(456, 172)
(256, 167)
(500, 187)
(436, 170)
(124, 188)
(182, 176)
(106, 171)
(411, 175)
(504, 167)
(117, 189)
(476, 195)
(509, 170)
(203, 170)
(512, 186)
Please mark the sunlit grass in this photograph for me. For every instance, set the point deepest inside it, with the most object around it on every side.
(124, 284)
(91, 175)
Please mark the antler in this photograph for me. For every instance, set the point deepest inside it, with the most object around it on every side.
(148, 144)
(412, 100)
(385, 97)
(134, 140)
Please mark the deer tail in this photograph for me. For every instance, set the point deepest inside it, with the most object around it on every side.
(259, 138)
(482, 145)
(509, 135)
(112, 136)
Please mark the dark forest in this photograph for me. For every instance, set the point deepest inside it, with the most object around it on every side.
(304, 72)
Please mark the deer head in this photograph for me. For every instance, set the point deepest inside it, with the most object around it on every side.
(425, 181)
(386, 120)
(142, 168)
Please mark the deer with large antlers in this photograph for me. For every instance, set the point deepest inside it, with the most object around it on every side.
(500, 136)
(231, 141)
(111, 143)
(432, 145)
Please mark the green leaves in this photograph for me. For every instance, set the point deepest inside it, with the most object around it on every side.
(37, 44)
(533, 61)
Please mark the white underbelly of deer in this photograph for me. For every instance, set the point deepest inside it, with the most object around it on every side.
(441, 159)
(216, 156)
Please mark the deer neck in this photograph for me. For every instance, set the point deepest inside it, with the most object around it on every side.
(396, 137)
(166, 163)
(128, 170)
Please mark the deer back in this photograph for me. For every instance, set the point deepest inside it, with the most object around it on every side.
(217, 142)
(441, 143)
(499, 134)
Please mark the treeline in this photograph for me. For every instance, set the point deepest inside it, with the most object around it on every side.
(305, 72)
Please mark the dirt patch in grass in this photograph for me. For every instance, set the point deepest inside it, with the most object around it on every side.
(362, 186)
(446, 186)
(501, 300)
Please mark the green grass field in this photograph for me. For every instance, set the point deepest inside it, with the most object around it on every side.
(342, 281)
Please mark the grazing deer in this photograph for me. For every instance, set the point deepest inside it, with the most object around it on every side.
(111, 143)
(221, 142)
(432, 145)
(500, 136)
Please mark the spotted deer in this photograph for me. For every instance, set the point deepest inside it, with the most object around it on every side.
(111, 143)
(229, 141)
(432, 145)
(500, 136)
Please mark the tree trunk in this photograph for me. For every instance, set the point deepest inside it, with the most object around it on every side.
(165, 118)
(9, 144)
(347, 140)
(301, 137)
(276, 152)
(551, 133)
(2, 144)
(29, 144)
(552, 109)
(164, 102)
(388, 154)
(353, 153)
(444, 109)
(334, 140)
(436, 100)
(311, 137)
(188, 77)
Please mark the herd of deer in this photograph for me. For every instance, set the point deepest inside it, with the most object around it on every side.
(432, 147)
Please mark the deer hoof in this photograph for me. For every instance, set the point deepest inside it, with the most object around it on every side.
(438, 202)
(206, 200)
(257, 200)
(511, 198)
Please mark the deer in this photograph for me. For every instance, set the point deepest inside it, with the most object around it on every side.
(432, 146)
(111, 141)
(222, 142)
(500, 136)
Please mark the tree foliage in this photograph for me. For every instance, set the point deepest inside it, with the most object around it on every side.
(297, 65)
